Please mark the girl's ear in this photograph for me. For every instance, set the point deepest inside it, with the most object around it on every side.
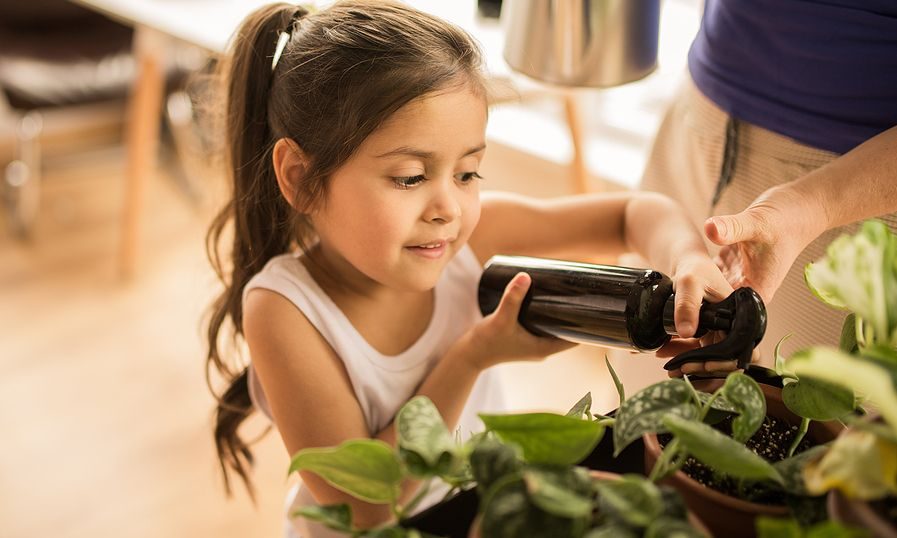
(290, 166)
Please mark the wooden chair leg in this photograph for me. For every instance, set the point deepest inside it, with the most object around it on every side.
(144, 112)
(579, 170)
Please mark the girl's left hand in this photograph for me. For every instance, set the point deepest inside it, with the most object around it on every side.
(696, 277)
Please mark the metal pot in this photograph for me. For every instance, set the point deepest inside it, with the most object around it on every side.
(596, 43)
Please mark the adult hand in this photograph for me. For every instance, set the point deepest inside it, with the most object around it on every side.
(761, 243)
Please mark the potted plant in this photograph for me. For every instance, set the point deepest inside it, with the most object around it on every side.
(728, 446)
(522, 469)
(859, 275)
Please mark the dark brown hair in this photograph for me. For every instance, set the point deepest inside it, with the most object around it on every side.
(344, 71)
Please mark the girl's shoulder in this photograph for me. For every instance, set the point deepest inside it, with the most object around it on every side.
(282, 273)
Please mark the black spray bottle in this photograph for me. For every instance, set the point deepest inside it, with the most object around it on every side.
(620, 307)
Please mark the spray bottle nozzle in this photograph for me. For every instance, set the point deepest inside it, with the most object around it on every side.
(742, 315)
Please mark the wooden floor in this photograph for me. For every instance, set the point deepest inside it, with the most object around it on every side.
(103, 406)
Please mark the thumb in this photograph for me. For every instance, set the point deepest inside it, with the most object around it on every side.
(515, 292)
(729, 229)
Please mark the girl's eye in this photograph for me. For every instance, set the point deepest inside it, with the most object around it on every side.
(404, 182)
(467, 177)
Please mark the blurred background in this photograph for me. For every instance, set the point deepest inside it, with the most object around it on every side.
(108, 187)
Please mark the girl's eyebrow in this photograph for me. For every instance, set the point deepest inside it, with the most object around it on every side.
(415, 152)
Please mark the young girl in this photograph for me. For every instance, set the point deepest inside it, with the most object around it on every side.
(354, 139)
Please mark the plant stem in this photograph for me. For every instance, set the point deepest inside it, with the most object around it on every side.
(801, 432)
(706, 408)
(662, 465)
(607, 421)
(694, 391)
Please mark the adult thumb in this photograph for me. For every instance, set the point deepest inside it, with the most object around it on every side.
(729, 229)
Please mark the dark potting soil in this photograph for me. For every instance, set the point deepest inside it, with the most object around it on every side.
(771, 442)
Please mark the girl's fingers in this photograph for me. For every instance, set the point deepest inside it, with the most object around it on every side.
(709, 367)
(677, 346)
(688, 302)
(512, 298)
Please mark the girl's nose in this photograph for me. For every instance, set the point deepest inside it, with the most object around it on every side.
(444, 206)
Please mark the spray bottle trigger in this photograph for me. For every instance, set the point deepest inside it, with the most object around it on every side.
(743, 316)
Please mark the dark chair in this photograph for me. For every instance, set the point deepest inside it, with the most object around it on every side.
(64, 71)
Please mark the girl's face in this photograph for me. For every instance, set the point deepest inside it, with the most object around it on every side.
(408, 199)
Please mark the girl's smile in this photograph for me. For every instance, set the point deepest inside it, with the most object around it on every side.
(433, 250)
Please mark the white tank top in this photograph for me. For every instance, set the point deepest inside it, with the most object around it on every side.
(383, 383)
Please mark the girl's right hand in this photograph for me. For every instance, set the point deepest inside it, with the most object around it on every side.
(499, 337)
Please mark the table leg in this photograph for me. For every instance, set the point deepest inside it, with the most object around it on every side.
(142, 141)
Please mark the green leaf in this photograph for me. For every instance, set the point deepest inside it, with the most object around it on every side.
(818, 400)
(863, 376)
(859, 273)
(423, 433)
(673, 503)
(848, 341)
(665, 527)
(582, 408)
(367, 469)
(490, 460)
(562, 491)
(393, 531)
(644, 411)
(745, 395)
(859, 464)
(547, 438)
(633, 500)
(613, 530)
(719, 451)
(333, 516)
(792, 469)
(507, 512)
(769, 527)
(832, 529)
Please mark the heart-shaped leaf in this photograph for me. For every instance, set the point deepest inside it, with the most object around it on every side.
(720, 451)
(423, 438)
(862, 375)
(632, 500)
(334, 516)
(364, 468)
(643, 412)
(547, 438)
(582, 408)
(817, 400)
(746, 397)
(562, 491)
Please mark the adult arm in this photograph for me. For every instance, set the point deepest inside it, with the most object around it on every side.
(761, 243)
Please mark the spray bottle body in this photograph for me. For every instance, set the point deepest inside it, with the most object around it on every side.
(603, 305)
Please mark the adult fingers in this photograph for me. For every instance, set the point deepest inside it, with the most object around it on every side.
(731, 229)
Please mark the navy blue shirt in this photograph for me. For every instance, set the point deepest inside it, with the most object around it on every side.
(823, 72)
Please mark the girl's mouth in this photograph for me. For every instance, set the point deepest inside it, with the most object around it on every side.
(433, 250)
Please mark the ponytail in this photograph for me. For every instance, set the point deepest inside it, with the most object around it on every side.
(261, 220)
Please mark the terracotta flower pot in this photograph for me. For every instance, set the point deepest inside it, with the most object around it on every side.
(859, 514)
(602, 475)
(723, 514)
